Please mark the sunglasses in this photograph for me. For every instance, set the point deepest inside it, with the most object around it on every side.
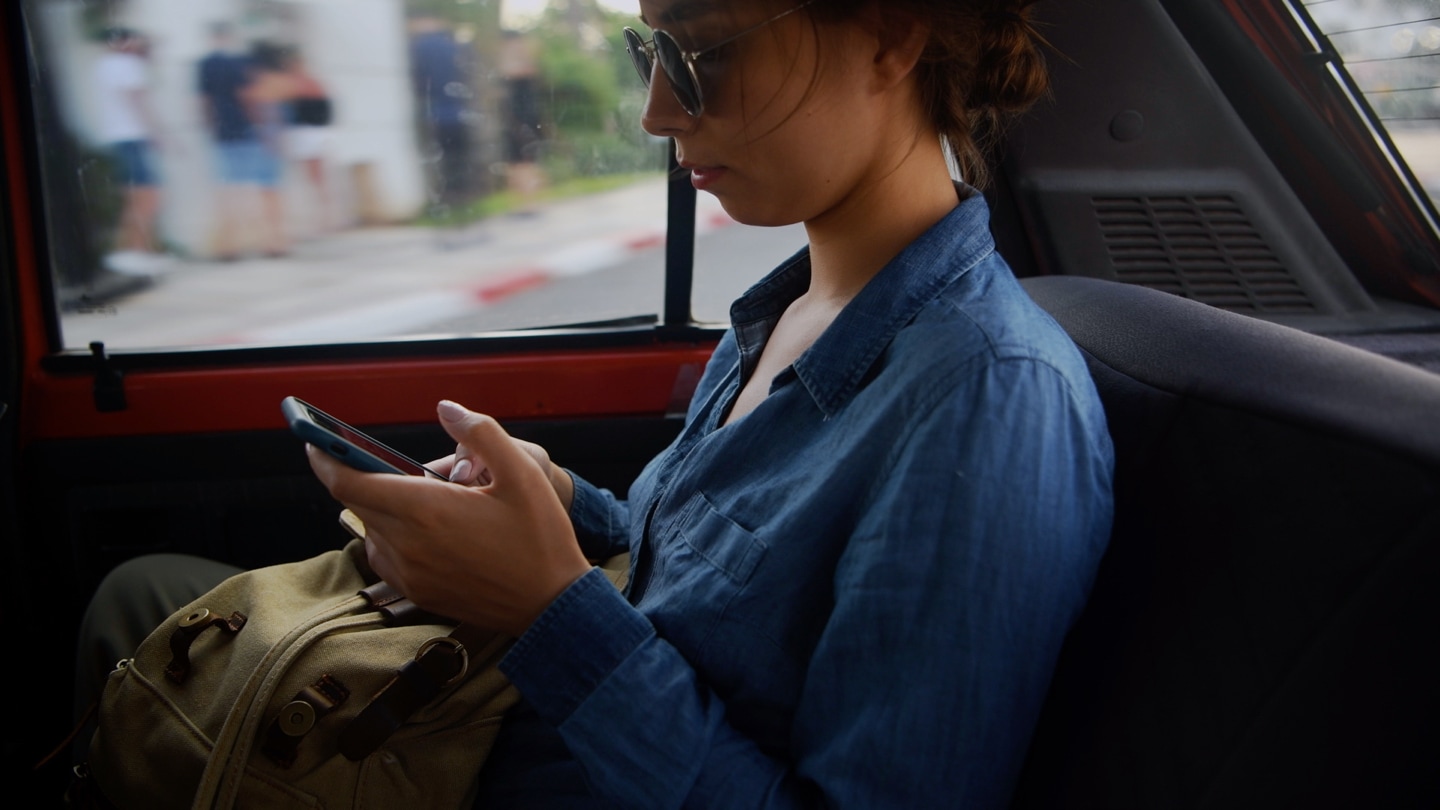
(679, 64)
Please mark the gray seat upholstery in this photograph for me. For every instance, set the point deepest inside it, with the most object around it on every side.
(1263, 627)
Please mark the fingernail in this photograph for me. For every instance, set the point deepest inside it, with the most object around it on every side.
(449, 411)
(461, 470)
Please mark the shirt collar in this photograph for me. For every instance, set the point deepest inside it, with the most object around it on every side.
(833, 368)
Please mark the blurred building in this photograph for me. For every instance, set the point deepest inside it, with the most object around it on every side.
(357, 47)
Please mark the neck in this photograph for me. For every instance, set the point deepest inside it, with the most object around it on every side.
(852, 242)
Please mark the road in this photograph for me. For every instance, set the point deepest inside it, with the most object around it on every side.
(727, 261)
(579, 260)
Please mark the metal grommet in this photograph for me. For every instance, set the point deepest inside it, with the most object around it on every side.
(198, 617)
(297, 718)
(456, 648)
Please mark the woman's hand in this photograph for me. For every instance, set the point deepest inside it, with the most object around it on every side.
(465, 467)
(494, 554)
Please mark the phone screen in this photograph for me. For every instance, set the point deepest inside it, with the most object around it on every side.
(337, 439)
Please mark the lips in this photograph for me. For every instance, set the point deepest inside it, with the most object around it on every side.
(703, 177)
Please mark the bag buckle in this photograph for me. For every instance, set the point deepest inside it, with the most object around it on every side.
(456, 649)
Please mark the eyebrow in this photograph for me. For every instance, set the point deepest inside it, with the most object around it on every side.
(683, 11)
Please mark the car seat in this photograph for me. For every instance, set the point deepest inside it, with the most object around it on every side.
(1263, 628)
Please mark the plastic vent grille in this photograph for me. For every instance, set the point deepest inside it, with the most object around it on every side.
(1202, 247)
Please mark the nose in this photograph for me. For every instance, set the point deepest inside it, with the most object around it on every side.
(663, 116)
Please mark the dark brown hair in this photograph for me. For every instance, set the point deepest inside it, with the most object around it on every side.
(982, 66)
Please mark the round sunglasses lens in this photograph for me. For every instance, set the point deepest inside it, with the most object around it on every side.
(635, 46)
(682, 82)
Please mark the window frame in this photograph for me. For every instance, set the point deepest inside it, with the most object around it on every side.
(1328, 58)
(1357, 187)
(45, 356)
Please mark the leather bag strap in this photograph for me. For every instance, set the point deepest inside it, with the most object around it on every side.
(299, 716)
(440, 663)
(397, 608)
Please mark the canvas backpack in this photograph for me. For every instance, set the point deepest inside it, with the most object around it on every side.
(310, 684)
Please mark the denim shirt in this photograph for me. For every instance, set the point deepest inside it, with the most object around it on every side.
(854, 595)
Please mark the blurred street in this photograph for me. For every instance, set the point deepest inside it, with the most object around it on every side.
(584, 259)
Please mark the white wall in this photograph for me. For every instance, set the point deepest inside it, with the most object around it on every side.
(357, 48)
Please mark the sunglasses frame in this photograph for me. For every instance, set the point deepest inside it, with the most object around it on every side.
(645, 54)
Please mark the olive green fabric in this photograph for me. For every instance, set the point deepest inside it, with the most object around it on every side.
(199, 744)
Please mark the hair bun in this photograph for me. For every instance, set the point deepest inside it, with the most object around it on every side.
(1010, 74)
(1004, 17)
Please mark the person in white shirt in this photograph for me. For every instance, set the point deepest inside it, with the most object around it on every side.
(127, 126)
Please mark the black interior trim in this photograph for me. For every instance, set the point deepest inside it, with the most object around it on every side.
(1137, 122)
(1260, 94)
(679, 247)
(494, 343)
(14, 551)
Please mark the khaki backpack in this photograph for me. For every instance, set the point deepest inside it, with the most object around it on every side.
(302, 685)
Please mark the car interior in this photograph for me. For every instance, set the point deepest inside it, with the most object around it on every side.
(1208, 206)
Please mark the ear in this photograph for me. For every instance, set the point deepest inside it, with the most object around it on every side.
(900, 41)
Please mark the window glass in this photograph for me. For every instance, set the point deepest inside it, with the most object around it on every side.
(730, 257)
(1391, 49)
(241, 172)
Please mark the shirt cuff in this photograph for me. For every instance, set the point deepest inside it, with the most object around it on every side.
(590, 514)
(574, 646)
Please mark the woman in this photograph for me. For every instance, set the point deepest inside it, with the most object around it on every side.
(853, 570)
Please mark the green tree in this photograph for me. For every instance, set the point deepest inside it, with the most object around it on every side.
(593, 95)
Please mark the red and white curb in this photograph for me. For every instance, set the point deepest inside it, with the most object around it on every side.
(408, 313)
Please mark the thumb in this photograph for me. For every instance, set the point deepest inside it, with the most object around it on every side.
(484, 437)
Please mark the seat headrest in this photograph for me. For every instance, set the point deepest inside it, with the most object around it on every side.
(1192, 350)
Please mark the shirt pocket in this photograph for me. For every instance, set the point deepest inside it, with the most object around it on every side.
(706, 563)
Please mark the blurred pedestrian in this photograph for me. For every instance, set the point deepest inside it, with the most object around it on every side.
(267, 102)
(440, 69)
(308, 135)
(520, 65)
(128, 126)
(222, 76)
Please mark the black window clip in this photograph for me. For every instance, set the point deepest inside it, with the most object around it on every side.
(109, 381)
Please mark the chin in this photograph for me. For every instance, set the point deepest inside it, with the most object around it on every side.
(747, 212)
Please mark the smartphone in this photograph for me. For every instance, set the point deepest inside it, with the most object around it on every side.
(347, 444)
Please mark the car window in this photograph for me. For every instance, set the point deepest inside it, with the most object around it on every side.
(279, 173)
(1391, 50)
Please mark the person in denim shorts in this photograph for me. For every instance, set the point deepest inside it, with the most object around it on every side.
(240, 158)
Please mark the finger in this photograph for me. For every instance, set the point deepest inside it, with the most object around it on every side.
(444, 466)
(327, 469)
(467, 467)
(484, 438)
(384, 492)
(378, 555)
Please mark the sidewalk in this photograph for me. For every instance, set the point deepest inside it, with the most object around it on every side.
(379, 282)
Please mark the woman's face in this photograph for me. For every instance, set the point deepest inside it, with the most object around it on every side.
(789, 128)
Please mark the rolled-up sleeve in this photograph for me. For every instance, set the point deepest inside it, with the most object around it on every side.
(601, 520)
